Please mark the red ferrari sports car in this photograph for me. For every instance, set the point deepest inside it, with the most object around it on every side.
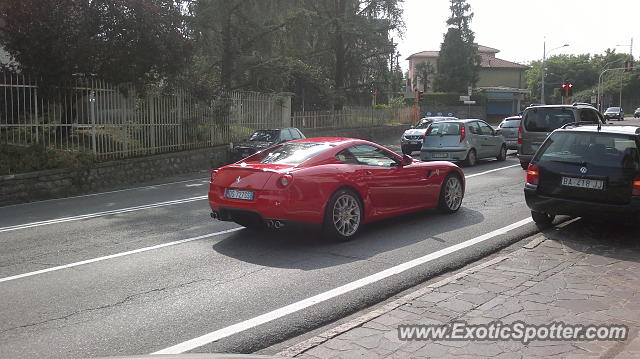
(338, 183)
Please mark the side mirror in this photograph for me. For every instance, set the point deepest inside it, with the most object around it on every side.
(412, 126)
(406, 160)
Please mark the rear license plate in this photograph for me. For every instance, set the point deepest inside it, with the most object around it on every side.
(440, 155)
(239, 194)
(414, 142)
(582, 183)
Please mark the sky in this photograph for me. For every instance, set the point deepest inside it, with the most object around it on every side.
(518, 27)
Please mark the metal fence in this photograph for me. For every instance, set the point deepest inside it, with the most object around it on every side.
(113, 122)
(352, 118)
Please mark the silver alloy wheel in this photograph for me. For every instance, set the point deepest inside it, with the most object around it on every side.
(453, 193)
(503, 152)
(346, 215)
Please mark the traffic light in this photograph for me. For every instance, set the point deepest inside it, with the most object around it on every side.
(569, 89)
(563, 90)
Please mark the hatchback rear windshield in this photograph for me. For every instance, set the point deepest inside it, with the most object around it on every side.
(598, 149)
(511, 124)
(292, 153)
(444, 129)
(547, 119)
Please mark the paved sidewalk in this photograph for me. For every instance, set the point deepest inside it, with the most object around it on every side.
(553, 278)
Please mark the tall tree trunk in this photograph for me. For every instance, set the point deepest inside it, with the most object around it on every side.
(226, 69)
(340, 54)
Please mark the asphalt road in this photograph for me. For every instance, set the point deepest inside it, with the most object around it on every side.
(144, 269)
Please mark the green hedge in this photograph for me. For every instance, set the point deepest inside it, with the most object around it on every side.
(17, 159)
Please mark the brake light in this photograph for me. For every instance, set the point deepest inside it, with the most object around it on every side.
(533, 175)
(213, 175)
(285, 180)
(636, 186)
(520, 132)
(463, 133)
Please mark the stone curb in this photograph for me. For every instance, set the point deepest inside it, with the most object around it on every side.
(313, 342)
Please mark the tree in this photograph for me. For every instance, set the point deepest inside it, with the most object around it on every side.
(458, 62)
(139, 41)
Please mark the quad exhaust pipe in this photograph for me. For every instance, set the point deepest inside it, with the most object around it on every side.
(275, 224)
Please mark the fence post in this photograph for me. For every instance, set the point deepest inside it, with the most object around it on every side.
(35, 95)
(152, 123)
(92, 114)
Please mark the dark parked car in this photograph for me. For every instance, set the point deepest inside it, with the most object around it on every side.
(614, 112)
(585, 171)
(262, 139)
(539, 121)
(508, 128)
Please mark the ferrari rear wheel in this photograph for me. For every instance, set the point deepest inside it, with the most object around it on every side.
(344, 215)
(451, 194)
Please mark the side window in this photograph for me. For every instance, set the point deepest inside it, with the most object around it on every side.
(486, 129)
(474, 128)
(588, 115)
(373, 156)
(345, 156)
(285, 135)
(296, 134)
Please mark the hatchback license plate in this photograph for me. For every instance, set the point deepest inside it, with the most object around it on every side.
(239, 194)
(582, 183)
(440, 155)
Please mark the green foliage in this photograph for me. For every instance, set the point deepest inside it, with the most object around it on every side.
(131, 41)
(459, 62)
(583, 72)
(16, 159)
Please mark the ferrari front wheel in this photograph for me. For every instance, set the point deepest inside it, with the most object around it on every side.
(343, 216)
(451, 194)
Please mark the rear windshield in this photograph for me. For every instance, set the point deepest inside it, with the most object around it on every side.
(599, 149)
(265, 136)
(444, 128)
(292, 153)
(547, 119)
(511, 124)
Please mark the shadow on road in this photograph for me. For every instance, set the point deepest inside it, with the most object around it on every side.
(307, 250)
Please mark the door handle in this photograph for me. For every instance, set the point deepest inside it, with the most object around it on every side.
(368, 173)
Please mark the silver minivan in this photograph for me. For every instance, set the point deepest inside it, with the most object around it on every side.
(462, 140)
(539, 121)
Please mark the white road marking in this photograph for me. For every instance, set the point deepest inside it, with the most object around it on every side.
(203, 179)
(491, 171)
(100, 214)
(121, 254)
(322, 297)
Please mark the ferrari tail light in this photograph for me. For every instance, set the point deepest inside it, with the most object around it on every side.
(463, 133)
(520, 132)
(636, 186)
(285, 180)
(213, 175)
(533, 175)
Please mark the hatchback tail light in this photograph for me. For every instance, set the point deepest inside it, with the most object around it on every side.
(533, 175)
(520, 132)
(213, 175)
(463, 133)
(636, 186)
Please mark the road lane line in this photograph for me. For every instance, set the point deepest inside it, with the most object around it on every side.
(100, 214)
(203, 179)
(490, 171)
(322, 297)
(117, 255)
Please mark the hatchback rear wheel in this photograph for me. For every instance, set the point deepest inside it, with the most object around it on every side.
(502, 156)
(472, 159)
(543, 220)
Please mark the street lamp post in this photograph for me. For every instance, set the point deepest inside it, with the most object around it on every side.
(544, 58)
